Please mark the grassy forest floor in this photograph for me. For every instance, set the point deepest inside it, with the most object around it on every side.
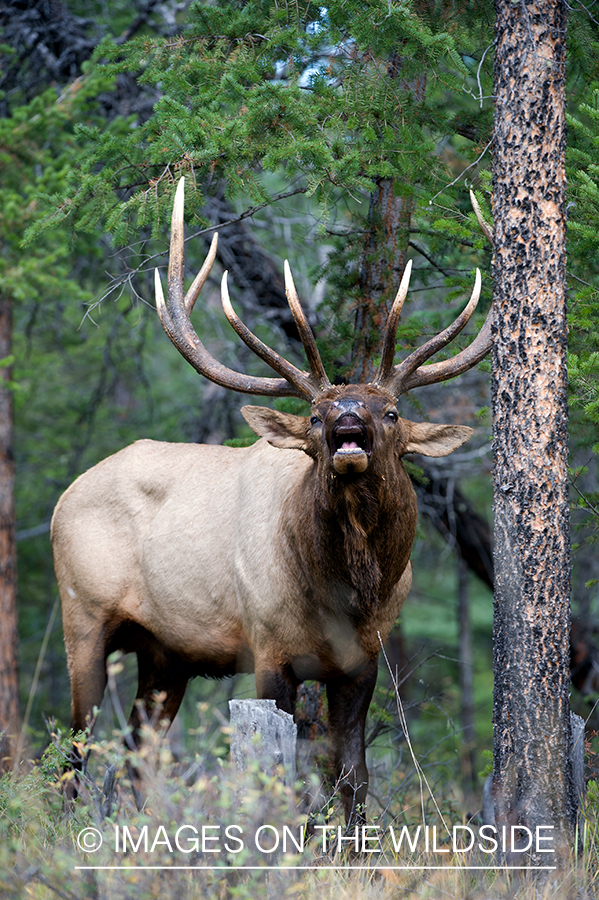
(199, 815)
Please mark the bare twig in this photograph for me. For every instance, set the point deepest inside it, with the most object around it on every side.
(463, 172)
(585, 500)
(119, 282)
(429, 259)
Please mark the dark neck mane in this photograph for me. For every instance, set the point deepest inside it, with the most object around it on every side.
(357, 510)
(353, 538)
(358, 531)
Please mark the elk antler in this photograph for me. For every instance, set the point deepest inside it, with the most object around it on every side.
(411, 373)
(388, 352)
(485, 227)
(290, 373)
(175, 318)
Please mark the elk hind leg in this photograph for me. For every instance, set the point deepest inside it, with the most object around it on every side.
(162, 680)
(87, 672)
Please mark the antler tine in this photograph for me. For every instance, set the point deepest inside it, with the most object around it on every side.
(174, 316)
(479, 215)
(176, 257)
(399, 379)
(278, 363)
(319, 376)
(198, 283)
(388, 350)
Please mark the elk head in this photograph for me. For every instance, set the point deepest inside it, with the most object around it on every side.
(347, 423)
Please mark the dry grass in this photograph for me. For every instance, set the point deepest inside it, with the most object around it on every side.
(40, 857)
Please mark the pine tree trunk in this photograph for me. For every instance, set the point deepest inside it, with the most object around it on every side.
(384, 259)
(532, 777)
(9, 673)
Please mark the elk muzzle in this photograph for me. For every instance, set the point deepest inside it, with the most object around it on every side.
(349, 436)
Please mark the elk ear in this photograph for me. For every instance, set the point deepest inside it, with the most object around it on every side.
(282, 430)
(435, 440)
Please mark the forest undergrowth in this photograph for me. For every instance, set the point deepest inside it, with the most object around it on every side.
(207, 830)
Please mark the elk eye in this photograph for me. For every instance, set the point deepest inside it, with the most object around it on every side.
(392, 416)
(314, 420)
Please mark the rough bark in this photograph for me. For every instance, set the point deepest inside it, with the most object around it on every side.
(532, 775)
(9, 673)
(458, 522)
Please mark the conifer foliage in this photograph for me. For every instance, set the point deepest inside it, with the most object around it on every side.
(251, 88)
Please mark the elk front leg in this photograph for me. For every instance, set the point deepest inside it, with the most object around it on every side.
(349, 699)
(278, 684)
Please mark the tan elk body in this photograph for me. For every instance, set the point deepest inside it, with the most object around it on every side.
(289, 558)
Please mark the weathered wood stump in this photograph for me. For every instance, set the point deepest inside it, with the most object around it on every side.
(264, 733)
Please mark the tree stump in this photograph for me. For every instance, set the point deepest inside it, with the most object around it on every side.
(264, 733)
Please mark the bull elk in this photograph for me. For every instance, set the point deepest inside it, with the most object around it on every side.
(287, 558)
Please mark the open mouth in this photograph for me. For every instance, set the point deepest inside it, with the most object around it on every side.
(350, 445)
(349, 433)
